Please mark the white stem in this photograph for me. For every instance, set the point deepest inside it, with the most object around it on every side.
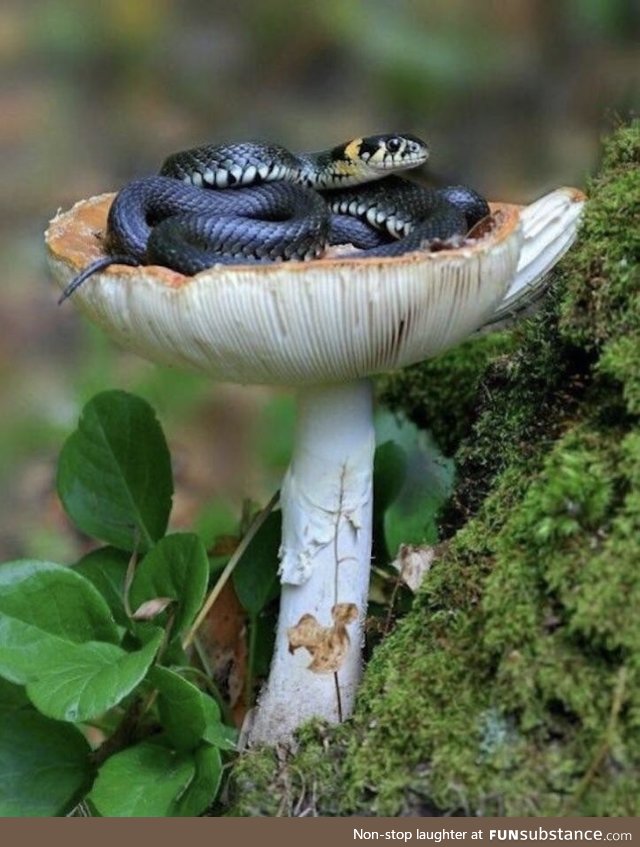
(326, 500)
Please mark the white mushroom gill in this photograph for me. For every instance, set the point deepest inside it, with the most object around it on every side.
(324, 327)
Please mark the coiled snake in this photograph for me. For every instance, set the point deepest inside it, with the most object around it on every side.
(257, 202)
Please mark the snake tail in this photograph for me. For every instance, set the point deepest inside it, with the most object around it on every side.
(94, 267)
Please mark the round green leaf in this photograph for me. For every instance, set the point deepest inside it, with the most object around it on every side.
(56, 599)
(255, 577)
(25, 649)
(144, 781)
(106, 568)
(176, 567)
(87, 680)
(181, 708)
(411, 519)
(44, 765)
(204, 787)
(68, 681)
(410, 516)
(114, 472)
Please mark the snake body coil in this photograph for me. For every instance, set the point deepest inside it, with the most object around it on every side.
(255, 202)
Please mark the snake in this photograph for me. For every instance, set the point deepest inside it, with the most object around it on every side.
(257, 202)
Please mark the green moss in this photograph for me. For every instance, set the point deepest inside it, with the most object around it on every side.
(440, 394)
(513, 685)
(602, 280)
(268, 782)
(527, 398)
(256, 785)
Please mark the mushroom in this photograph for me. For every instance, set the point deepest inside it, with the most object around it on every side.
(324, 327)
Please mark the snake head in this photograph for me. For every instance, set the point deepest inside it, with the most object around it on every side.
(387, 152)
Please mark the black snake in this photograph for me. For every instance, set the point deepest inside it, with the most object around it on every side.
(257, 202)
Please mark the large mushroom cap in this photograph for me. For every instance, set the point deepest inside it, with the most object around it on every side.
(290, 323)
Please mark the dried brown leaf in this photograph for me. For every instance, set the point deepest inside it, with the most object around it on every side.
(413, 563)
(150, 609)
(223, 639)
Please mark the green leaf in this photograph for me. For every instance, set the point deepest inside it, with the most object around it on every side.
(106, 568)
(181, 708)
(144, 781)
(12, 696)
(204, 787)
(114, 472)
(68, 681)
(44, 765)
(25, 649)
(93, 679)
(176, 567)
(389, 474)
(265, 638)
(410, 518)
(57, 600)
(188, 715)
(174, 654)
(255, 577)
(217, 733)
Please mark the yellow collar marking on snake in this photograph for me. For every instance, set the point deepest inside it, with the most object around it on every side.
(352, 150)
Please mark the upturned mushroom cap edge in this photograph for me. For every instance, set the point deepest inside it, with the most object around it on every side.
(290, 323)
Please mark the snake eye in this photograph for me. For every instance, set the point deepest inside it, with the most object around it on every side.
(393, 145)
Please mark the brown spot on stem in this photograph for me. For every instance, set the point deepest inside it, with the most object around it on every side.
(328, 645)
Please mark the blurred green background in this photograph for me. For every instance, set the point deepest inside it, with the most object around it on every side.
(512, 96)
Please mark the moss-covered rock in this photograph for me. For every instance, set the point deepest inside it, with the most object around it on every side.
(513, 686)
(428, 396)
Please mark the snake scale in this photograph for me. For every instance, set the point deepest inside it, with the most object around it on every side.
(257, 202)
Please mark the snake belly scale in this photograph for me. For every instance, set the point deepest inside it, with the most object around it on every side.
(258, 202)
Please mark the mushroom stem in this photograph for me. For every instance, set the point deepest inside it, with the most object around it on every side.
(326, 499)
